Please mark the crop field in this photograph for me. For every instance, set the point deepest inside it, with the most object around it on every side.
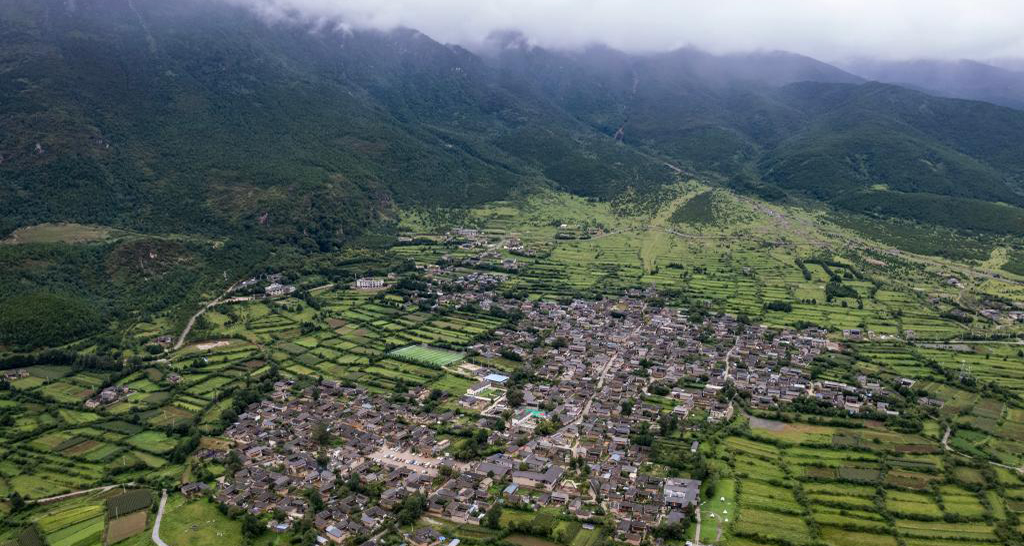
(123, 527)
(428, 355)
(848, 495)
(76, 447)
(78, 521)
(361, 338)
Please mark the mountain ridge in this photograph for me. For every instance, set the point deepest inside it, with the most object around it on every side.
(962, 79)
(200, 117)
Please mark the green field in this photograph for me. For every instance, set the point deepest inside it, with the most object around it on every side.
(428, 355)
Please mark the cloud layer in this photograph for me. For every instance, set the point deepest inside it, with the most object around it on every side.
(828, 29)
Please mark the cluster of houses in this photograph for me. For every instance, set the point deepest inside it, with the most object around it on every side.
(108, 396)
(278, 448)
(597, 353)
(369, 283)
(466, 238)
(274, 287)
(652, 347)
(374, 461)
(14, 375)
(601, 374)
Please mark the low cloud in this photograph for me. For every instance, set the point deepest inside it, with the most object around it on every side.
(828, 29)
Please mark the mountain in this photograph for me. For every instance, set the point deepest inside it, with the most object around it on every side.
(964, 79)
(196, 116)
(810, 128)
(878, 147)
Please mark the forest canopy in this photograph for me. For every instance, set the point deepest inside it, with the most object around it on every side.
(40, 319)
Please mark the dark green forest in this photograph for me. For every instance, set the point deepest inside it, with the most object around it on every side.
(199, 119)
(207, 120)
(52, 294)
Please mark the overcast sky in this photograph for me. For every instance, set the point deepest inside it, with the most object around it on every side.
(828, 29)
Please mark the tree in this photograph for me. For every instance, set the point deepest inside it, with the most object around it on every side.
(670, 531)
(233, 463)
(668, 423)
(411, 509)
(316, 502)
(353, 483)
(514, 397)
(251, 526)
(17, 503)
(492, 519)
(320, 434)
(627, 407)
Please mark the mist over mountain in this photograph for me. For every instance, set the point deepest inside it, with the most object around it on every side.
(837, 29)
(194, 116)
(962, 79)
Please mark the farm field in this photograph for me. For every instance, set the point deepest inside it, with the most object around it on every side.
(779, 479)
(78, 521)
(822, 494)
(74, 447)
(428, 355)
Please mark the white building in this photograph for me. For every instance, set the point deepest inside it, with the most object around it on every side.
(277, 289)
(368, 283)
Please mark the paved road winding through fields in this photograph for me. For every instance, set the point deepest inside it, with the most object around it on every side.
(156, 524)
(192, 321)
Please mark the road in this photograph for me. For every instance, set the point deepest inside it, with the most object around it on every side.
(728, 358)
(156, 524)
(192, 321)
(600, 383)
(696, 534)
(945, 446)
(494, 404)
(80, 493)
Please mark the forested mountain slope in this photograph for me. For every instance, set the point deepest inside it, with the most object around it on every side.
(195, 116)
(199, 117)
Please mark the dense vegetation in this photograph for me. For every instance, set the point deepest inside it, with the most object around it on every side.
(220, 124)
(51, 294)
(39, 319)
(697, 210)
(952, 212)
(256, 143)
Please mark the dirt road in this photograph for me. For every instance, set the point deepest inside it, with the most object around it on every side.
(73, 494)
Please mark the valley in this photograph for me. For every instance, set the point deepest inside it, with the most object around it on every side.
(289, 272)
(836, 389)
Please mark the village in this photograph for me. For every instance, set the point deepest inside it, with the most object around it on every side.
(567, 430)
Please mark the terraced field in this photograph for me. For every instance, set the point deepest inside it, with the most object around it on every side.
(790, 487)
(71, 447)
